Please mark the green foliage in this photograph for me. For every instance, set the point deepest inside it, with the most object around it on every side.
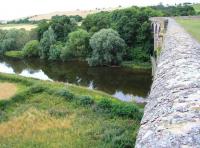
(31, 49)
(107, 47)
(78, 18)
(139, 55)
(85, 101)
(95, 22)
(13, 39)
(15, 54)
(66, 94)
(78, 44)
(62, 26)
(62, 117)
(66, 54)
(42, 27)
(47, 40)
(178, 10)
(55, 51)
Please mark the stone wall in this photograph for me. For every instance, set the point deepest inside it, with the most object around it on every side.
(172, 115)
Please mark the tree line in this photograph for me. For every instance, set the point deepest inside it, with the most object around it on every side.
(104, 38)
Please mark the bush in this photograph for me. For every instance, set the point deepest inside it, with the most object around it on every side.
(105, 104)
(130, 111)
(66, 94)
(85, 101)
(31, 49)
(36, 89)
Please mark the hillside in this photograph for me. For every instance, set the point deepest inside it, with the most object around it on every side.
(82, 13)
(52, 114)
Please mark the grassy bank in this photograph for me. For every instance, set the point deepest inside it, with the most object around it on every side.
(15, 54)
(52, 114)
(136, 65)
(192, 26)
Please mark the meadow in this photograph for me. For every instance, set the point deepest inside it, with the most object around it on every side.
(53, 114)
(27, 27)
(192, 26)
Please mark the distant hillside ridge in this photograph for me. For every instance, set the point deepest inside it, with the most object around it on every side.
(82, 13)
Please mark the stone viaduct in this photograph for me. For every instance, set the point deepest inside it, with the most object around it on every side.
(172, 114)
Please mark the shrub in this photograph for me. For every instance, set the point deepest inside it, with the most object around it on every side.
(66, 94)
(36, 89)
(130, 111)
(105, 104)
(21, 96)
(85, 101)
(31, 48)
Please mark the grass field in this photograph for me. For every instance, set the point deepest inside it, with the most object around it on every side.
(192, 26)
(17, 26)
(52, 114)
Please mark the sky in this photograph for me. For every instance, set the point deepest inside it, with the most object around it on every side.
(13, 9)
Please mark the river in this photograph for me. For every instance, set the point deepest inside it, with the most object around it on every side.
(123, 83)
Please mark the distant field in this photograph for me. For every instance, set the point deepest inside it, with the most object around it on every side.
(17, 26)
(82, 13)
(192, 26)
(197, 7)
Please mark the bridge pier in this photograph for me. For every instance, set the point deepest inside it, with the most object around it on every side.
(172, 115)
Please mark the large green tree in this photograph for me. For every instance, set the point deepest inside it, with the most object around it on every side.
(107, 47)
(62, 26)
(78, 43)
(47, 40)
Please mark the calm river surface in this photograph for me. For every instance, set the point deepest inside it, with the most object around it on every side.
(125, 84)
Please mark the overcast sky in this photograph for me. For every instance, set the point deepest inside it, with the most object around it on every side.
(11, 9)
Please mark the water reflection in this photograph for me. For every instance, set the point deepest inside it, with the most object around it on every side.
(122, 83)
(35, 74)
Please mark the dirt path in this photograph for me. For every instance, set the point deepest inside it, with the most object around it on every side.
(7, 90)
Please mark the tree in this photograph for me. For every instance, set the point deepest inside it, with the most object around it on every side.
(62, 26)
(78, 43)
(95, 22)
(47, 40)
(55, 51)
(31, 48)
(13, 39)
(107, 47)
(42, 27)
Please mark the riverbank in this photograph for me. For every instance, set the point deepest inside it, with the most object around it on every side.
(49, 114)
(128, 64)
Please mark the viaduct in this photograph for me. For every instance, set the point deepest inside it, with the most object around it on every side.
(172, 114)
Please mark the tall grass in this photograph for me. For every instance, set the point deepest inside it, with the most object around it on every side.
(48, 114)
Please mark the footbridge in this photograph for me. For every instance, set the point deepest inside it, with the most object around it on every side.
(172, 114)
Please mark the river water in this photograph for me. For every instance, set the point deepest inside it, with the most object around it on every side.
(123, 83)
